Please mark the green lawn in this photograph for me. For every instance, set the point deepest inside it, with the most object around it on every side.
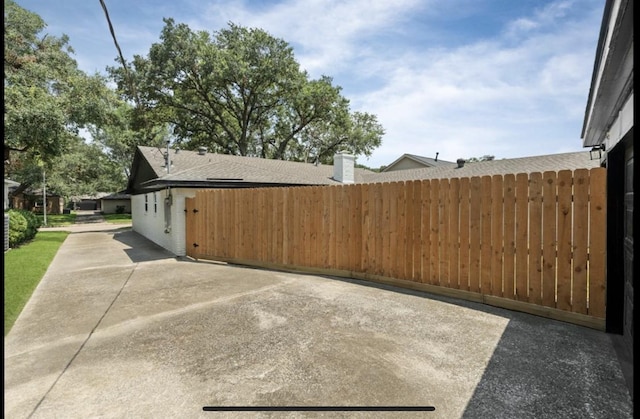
(24, 267)
(58, 220)
(117, 218)
(61, 220)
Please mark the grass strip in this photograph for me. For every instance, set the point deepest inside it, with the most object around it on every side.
(58, 220)
(24, 267)
(117, 218)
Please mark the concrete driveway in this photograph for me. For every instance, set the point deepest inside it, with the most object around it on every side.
(119, 328)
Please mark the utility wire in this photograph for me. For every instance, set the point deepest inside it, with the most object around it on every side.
(124, 64)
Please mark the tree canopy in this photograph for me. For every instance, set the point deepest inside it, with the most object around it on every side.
(486, 157)
(241, 91)
(47, 100)
(236, 91)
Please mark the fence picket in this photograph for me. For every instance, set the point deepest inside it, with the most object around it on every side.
(425, 231)
(564, 240)
(474, 234)
(380, 221)
(454, 233)
(580, 240)
(435, 232)
(465, 243)
(522, 236)
(549, 238)
(535, 238)
(485, 235)
(408, 234)
(443, 228)
(333, 190)
(497, 224)
(508, 287)
(417, 231)
(386, 230)
(597, 241)
(400, 232)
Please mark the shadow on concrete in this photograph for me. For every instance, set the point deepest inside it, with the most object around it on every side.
(543, 368)
(141, 249)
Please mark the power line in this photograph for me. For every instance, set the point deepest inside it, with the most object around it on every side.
(124, 64)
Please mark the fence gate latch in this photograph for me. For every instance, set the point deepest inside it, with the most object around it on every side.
(195, 210)
(196, 245)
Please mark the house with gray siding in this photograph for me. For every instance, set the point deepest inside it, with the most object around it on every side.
(608, 132)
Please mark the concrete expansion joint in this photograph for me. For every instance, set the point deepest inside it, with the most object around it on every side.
(75, 355)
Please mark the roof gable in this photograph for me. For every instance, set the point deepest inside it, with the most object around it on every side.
(407, 161)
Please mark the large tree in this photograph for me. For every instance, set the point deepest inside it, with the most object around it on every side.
(128, 128)
(47, 98)
(241, 91)
(47, 102)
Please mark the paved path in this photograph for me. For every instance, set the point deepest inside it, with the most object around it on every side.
(88, 221)
(119, 328)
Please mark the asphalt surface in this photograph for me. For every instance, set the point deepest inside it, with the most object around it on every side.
(120, 328)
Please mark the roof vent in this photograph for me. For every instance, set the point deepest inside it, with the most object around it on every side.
(202, 150)
(460, 162)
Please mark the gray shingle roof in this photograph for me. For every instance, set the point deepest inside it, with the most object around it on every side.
(190, 166)
(116, 196)
(550, 162)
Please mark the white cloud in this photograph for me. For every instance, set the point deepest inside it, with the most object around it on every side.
(490, 97)
(327, 35)
(455, 90)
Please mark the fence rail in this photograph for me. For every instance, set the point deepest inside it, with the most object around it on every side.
(531, 242)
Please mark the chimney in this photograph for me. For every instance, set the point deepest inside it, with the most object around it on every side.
(437, 155)
(343, 168)
(460, 162)
(202, 150)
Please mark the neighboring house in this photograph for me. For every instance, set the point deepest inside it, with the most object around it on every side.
(158, 190)
(32, 200)
(8, 185)
(411, 161)
(549, 162)
(608, 129)
(119, 202)
(158, 195)
(88, 202)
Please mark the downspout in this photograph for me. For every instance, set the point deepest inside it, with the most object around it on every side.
(168, 203)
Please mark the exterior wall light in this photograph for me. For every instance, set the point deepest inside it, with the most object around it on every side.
(596, 151)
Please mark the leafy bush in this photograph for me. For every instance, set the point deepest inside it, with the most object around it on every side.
(120, 209)
(23, 226)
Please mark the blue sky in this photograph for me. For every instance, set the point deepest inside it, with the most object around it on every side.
(462, 78)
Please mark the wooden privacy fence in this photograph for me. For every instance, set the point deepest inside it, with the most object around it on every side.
(530, 242)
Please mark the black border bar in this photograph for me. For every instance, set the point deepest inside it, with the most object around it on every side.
(318, 408)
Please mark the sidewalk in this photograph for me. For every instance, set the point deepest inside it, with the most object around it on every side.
(118, 327)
